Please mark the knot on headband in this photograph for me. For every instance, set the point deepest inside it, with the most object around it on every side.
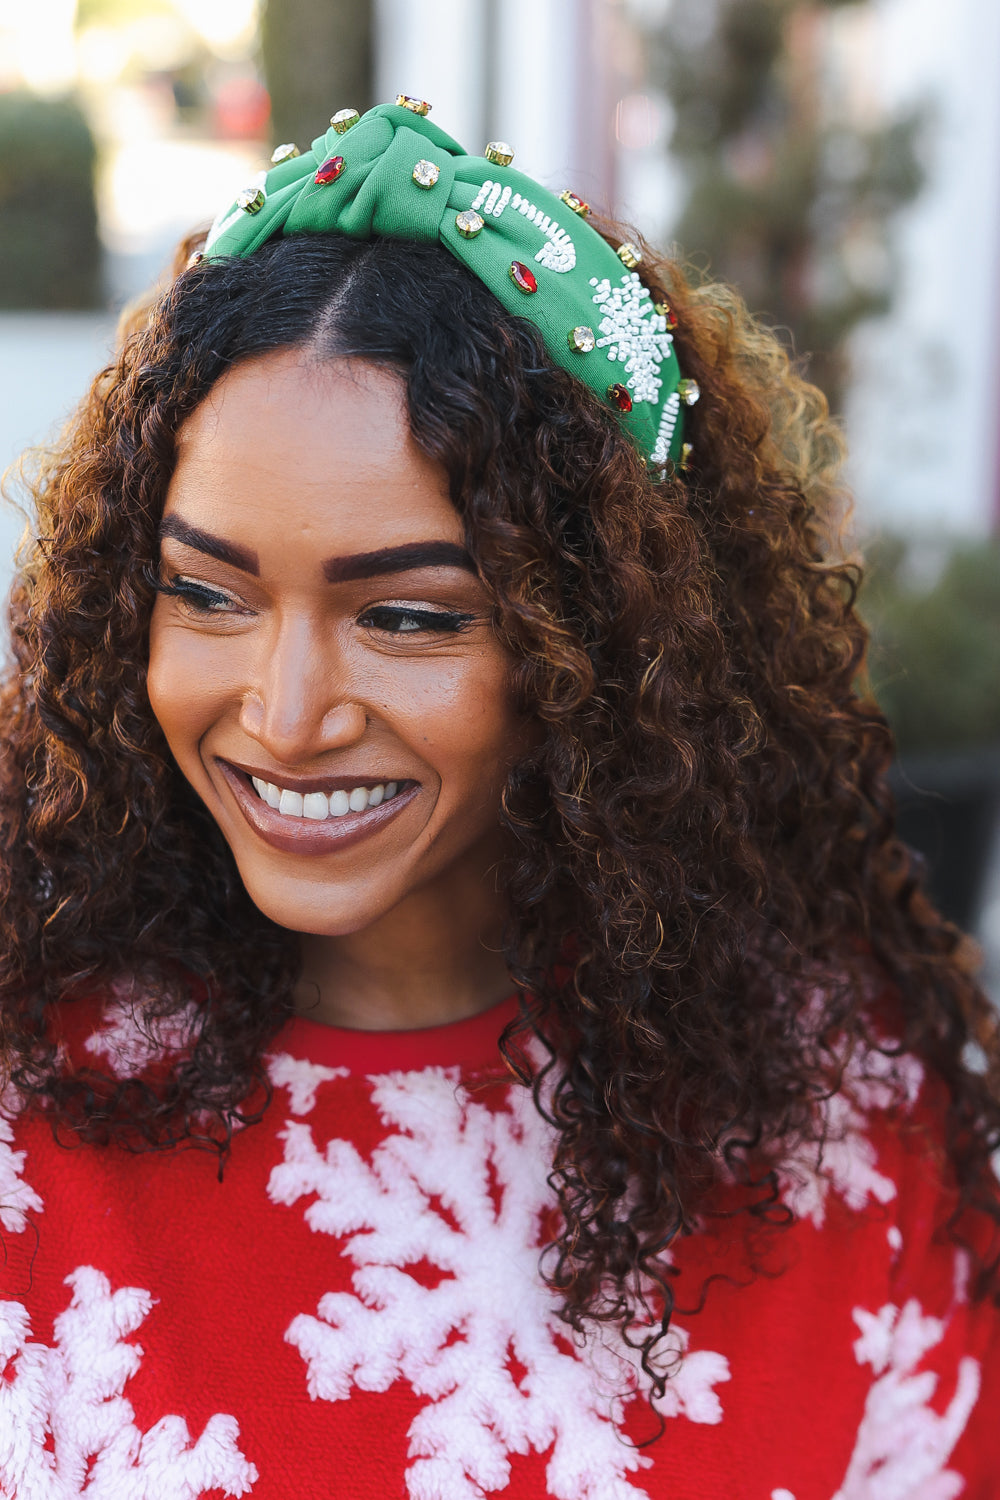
(392, 172)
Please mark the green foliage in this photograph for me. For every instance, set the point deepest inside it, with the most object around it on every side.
(50, 255)
(935, 651)
(317, 57)
(790, 205)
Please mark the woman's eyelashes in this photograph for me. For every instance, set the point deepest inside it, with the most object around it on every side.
(401, 619)
(389, 619)
(199, 598)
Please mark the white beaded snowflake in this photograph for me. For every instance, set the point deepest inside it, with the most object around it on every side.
(633, 332)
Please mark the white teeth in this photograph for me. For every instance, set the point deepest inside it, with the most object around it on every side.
(317, 806)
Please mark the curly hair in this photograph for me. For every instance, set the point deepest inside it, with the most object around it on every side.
(705, 889)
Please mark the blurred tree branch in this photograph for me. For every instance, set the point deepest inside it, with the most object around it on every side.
(317, 57)
(785, 198)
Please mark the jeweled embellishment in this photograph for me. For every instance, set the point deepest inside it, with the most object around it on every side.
(330, 170)
(582, 339)
(523, 277)
(499, 153)
(344, 119)
(469, 223)
(619, 396)
(630, 255)
(666, 312)
(195, 259)
(287, 152)
(251, 200)
(426, 173)
(416, 106)
(689, 391)
(684, 463)
(575, 202)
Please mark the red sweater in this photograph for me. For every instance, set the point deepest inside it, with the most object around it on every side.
(355, 1311)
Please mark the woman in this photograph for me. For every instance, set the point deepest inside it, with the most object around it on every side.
(435, 787)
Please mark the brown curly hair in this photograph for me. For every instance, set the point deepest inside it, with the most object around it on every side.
(705, 889)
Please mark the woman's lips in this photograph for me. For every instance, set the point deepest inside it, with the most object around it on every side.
(296, 835)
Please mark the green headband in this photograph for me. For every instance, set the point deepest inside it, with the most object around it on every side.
(392, 172)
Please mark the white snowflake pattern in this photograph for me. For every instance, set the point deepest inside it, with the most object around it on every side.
(67, 1430)
(633, 333)
(130, 1041)
(872, 1082)
(300, 1078)
(903, 1444)
(461, 1188)
(17, 1197)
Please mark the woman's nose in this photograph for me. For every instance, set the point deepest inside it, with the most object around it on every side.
(301, 701)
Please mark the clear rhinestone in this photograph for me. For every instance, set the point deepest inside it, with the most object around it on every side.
(499, 153)
(287, 152)
(418, 106)
(469, 223)
(426, 173)
(344, 119)
(630, 255)
(582, 339)
(688, 391)
(251, 200)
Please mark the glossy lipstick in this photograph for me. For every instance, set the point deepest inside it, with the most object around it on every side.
(296, 835)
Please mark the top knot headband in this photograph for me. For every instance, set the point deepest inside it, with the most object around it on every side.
(392, 172)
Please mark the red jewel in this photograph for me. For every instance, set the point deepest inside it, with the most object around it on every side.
(671, 318)
(330, 170)
(522, 277)
(619, 396)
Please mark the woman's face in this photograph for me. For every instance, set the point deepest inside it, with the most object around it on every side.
(322, 661)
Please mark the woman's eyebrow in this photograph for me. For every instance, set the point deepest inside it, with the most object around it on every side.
(397, 560)
(243, 558)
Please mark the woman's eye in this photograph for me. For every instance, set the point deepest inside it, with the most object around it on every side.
(396, 619)
(196, 596)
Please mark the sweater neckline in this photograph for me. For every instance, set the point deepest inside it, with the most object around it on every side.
(469, 1043)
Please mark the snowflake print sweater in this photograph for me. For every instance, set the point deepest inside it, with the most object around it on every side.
(355, 1310)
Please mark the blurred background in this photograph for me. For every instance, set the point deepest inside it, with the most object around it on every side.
(839, 160)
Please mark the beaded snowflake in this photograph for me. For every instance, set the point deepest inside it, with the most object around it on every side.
(633, 332)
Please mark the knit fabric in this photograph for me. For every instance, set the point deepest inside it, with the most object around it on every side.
(356, 1310)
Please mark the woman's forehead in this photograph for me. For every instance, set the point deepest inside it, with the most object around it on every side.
(285, 444)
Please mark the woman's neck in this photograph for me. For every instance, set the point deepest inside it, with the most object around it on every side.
(434, 958)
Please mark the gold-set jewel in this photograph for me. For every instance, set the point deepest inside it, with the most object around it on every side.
(344, 119)
(469, 223)
(287, 152)
(582, 339)
(251, 200)
(575, 202)
(499, 153)
(426, 173)
(684, 463)
(195, 258)
(688, 391)
(630, 255)
(418, 106)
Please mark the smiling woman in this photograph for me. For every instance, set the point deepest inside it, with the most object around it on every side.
(434, 784)
(299, 678)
